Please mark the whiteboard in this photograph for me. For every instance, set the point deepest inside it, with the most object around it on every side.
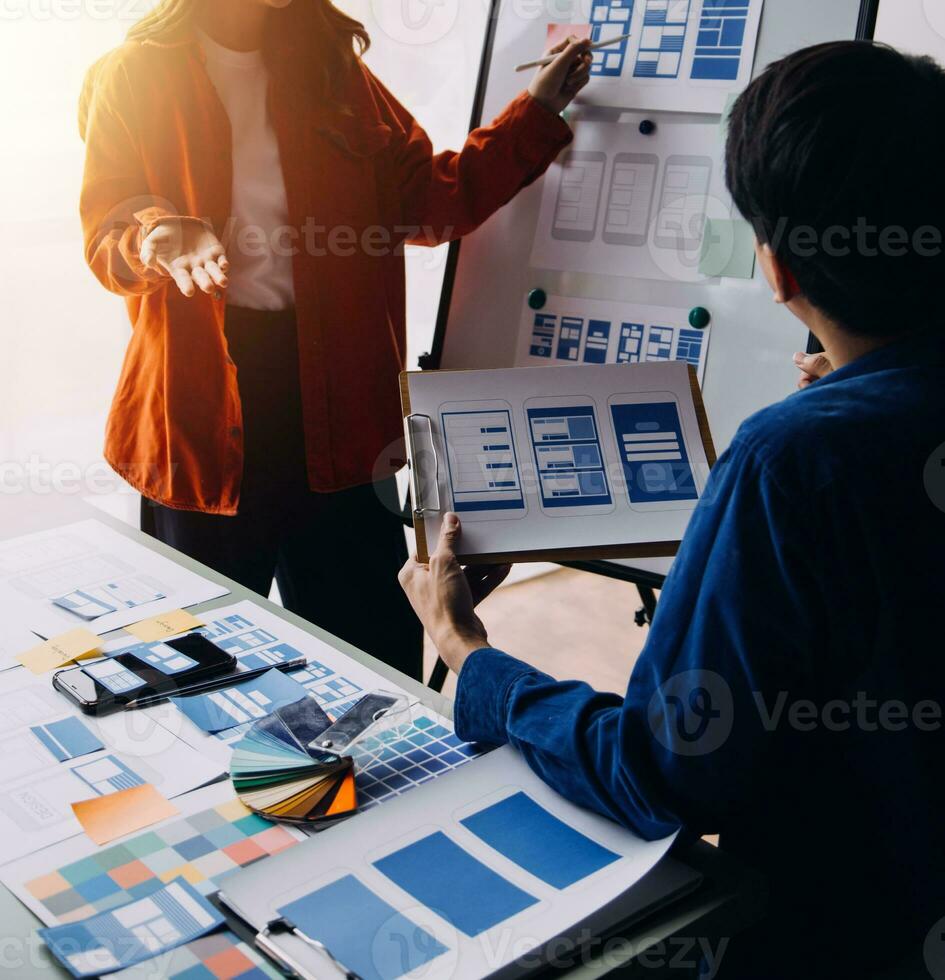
(914, 26)
(749, 358)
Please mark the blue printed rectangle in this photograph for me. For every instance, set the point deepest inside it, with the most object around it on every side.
(364, 934)
(67, 739)
(655, 460)
(568, 456)
(721, 39)
(543, 335)
(610, 19)
(536, 840)
(439, 874)
(242, 703)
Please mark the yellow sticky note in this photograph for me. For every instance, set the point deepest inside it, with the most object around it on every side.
(106, 818)
(164, 626)
(77, 644)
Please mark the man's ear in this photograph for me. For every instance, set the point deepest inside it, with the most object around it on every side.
(779, 276)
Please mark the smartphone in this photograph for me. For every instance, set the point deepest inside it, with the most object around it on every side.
(169, 669)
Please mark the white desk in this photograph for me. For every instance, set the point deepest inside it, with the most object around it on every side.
(724, 905)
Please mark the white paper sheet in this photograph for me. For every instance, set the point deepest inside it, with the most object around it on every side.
(683, 55)
(569, 330)
(36, 790)
(37, 568)
(251, 633)
(561, 457)
(257, 893)
(621, 204)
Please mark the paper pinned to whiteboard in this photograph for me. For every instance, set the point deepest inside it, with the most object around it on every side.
(682, 56)
(624, 205)
(570, 330)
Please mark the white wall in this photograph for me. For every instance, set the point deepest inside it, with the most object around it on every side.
(916, 26)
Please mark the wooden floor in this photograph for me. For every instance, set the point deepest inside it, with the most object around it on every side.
(569, 624)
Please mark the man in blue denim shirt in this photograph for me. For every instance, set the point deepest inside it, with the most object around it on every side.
(790, 693)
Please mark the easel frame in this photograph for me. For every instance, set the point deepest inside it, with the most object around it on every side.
(646, 582)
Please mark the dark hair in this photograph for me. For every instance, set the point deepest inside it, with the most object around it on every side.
(829, 143)
(321, 41)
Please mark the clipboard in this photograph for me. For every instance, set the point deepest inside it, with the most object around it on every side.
(430, 474)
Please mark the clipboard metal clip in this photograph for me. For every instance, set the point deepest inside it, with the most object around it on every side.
(278, 927)
(418, 479)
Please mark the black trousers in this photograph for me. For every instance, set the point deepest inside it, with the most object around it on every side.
(335, 556)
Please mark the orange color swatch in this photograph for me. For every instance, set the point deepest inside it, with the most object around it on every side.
(105, 818)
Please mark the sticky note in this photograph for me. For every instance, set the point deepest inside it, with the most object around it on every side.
(105, 818)
(164, 626)
(561, 32)
(77, 644)
(728, 249)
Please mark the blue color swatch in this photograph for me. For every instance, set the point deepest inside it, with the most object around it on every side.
(538, 841)
(721, 40)
(67, 739)
(438, 873)
(249, 701)
(137, 931)
(362, 932)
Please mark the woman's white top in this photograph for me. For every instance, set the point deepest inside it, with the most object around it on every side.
(258, 241)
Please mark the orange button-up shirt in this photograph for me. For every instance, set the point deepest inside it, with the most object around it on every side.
(360, 183)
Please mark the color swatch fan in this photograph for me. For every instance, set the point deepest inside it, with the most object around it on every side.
(275, 774)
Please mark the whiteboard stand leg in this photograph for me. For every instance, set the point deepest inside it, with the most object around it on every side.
(646, 612)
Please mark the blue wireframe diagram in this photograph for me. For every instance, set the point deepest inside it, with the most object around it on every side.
(721, 40)
(566, 443)
(610, 18)
(662, 39)
(483, 465)
(653, 452)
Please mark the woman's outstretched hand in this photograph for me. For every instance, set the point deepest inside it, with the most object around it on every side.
(556, 85)
(187, 250)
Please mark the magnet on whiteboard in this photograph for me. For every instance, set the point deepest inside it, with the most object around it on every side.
(699, 317)
(537, 299)
(647, 127)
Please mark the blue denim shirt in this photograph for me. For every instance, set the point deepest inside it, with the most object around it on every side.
(788, 692)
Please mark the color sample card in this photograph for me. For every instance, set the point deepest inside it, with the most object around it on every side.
(396, 760)
(221, 955)
(249, 701)
(107, 818)
(536, 840)
(438, 873)
(134, 932)
(67, 739)
(201, 849)
(361, 931)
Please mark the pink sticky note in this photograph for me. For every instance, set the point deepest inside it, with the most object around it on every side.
(561, 32)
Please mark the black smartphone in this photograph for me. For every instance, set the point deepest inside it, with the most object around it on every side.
(168, 669)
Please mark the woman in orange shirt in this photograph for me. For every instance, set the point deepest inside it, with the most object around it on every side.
(249, 187)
